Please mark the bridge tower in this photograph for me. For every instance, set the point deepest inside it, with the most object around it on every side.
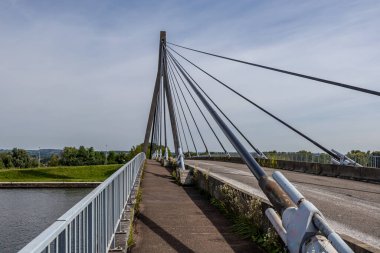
(162, 82)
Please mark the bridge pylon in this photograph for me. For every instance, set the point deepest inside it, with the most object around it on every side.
(161, 91)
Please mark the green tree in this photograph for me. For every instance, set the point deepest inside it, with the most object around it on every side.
(271, 154)
(122, 158)
(82, 156)
(20, 158)
(91, 159)
(111, 157)
(7, 160)
(54, 161)
(134, 151)
(100, 157)
(69, 156)
(359, 156)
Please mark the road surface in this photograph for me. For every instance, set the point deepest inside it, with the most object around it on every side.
(351, 207)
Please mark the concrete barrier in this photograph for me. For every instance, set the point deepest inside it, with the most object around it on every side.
(245, 202)
(331, 170)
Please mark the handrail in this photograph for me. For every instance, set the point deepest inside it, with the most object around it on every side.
(90, 225)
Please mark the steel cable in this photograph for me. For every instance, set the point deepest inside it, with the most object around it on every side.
(183, 111)
(200, 110)
(343, 85)
(179, 116)
(261, 108)
(228, 119)
(187, 105)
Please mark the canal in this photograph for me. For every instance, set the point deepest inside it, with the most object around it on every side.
(25, 213)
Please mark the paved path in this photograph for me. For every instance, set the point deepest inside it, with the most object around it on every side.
(352, 207)
(178, 219)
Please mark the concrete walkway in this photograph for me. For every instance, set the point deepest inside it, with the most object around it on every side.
(178, 219)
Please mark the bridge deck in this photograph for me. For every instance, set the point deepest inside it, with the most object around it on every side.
(178, 219)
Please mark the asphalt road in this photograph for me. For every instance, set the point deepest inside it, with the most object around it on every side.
(351, 207)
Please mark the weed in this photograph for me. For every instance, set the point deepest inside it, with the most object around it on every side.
(131, 240)
(195, 173)
(247, 218)
(174, 175)
(136, 209)
(138, 200)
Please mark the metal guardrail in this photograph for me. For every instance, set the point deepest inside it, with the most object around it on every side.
(90, 225)
(322, 158)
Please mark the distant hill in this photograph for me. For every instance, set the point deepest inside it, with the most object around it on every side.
(45, 153)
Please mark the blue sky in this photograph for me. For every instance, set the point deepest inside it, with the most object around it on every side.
(82, 72)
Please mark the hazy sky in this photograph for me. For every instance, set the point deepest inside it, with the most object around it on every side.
(82, 72)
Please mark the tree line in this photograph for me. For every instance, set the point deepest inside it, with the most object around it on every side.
(70, 156)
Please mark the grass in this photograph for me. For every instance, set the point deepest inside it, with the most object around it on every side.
(131, 240)
(243, 226)
(136, 210)
(92, 173)
(246, 223)
(138, 201)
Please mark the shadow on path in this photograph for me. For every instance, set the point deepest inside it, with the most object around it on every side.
(220, 222)
(167, 237)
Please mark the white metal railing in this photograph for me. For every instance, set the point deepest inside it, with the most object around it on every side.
(90, 225)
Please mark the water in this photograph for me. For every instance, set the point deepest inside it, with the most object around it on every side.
(25, 213)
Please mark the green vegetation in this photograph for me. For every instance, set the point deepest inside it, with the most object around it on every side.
(303, 156)
(69, 156)
(93, 173)
(17, 158)
(138, 201)
(131, 239)
(362, 157)
(70, 165)
(248, 225)
(136, 210)
(72, 156)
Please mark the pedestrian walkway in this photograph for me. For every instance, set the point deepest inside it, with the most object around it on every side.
(179, 219)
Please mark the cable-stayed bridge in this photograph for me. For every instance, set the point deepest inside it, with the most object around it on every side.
(295, 202)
